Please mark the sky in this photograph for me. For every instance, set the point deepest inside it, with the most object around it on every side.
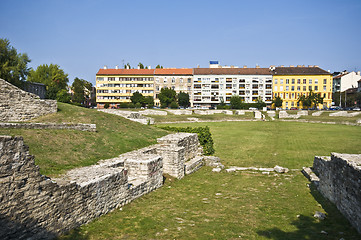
(83, 36)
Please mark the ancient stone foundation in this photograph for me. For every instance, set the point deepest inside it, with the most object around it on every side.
(69, 126)
(34, 206)
(17, 105)
(339, 180)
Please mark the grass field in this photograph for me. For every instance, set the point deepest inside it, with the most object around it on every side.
(246, 205)
(59, 150)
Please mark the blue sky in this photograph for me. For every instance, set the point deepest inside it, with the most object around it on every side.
(83, 36)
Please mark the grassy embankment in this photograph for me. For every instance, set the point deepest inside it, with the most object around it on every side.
(56, 151)
(247, 205)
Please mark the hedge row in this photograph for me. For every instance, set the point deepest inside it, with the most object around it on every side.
(204, 136)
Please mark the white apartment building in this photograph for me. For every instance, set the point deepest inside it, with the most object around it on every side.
(210, 85)
(345, 80)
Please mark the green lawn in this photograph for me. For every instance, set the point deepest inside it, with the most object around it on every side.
(59, 150)
(247, 205)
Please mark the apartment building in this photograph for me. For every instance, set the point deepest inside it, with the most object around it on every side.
(178, 79)
(115, 86)
(345, 80)
(290, 83)
(214, 84)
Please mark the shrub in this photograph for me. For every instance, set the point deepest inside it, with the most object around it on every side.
(131, 105)
(174, 105)
(106, 105)
(138, 105)
(123, 105)
(204, 136)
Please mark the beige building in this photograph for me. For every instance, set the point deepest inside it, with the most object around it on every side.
(178, 79)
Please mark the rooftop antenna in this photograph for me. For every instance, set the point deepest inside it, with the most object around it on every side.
(123, 63)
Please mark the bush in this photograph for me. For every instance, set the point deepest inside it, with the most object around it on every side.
(106, 105)
(123, 105)
(204, 136)
(174, 105)
(138, 105)
(131, 105)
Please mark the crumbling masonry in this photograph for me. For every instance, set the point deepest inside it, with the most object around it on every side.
(34, 206)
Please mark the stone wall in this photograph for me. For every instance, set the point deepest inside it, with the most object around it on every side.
(340, 182)
(34, 206)
(70, 126)
(17, 105)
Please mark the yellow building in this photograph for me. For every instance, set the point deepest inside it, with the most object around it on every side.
(115, 86)
(289, 83)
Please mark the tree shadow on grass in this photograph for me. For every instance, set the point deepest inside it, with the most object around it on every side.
(335, 226)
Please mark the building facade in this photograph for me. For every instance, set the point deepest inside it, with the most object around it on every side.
(115, 86)
(289, 83)
(178, 79)
(213, 85)
(345, 80)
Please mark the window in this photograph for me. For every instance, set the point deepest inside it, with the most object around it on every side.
(189, 80)
(287, 88)
(324, 88)
(286, 95)
(287, 81)
(292, 88)
(324, 81)
(304, 81)
(304, 88)
(276, 81)
(276, 88)
(281, 88)
(316, 81)
(310, 88)
(293, 81)
(281, 81)
(316, 88)
(165, 80)
(309, 81)
(298, 88)
(100, 79)
(173, 80)
(111, 78)
(181, 80)
(293, 95)
(298, 81)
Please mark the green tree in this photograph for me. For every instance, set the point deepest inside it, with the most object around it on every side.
(138, 98)
(127, 66)
(159, 66)
(52, 76)
(149, 101)
(173, 105)
(183, 99)
(13, 65)
(236, 102)
(166, 97)
(63, 96)
(312, 99)
(260, 104)
(81, 91)
(140, 65)
(277, 101)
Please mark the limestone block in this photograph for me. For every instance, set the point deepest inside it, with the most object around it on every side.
(239, 112)
(317, 113)
(153, 112)
(257, 115)
(193, 165)
(180, 111)
(302, 112)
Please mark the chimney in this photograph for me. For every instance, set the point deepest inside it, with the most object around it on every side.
(316, 66)
(105, 67)
(310, 65)
(149, 67)
(257, 66)
(292, 65)
(116, 67)
(138, 67)
(359, 73)
(299, 65)
(282, 65)
(244, 66)
(128, 67)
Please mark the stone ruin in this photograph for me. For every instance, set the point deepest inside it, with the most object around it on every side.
(130, 115)
(17, 105)
(338, 178)
(34, 206)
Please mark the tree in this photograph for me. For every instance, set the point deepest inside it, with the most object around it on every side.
(166, 97)
(236, 102)
(149, 101)
(310, 100)
(127, 66)
(13, 65)
(159, 66)
(277, 101)
(138, 98)
(52, 76)
(63, 96)
(260, 104)
(81, 91)
(173, 105)
(140, 65)
(183, 99)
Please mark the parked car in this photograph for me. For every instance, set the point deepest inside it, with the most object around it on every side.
(253, 108)
(356, 109)
(293, 108)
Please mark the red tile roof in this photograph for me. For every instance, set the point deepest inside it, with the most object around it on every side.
(173, 71)
(125, 72)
